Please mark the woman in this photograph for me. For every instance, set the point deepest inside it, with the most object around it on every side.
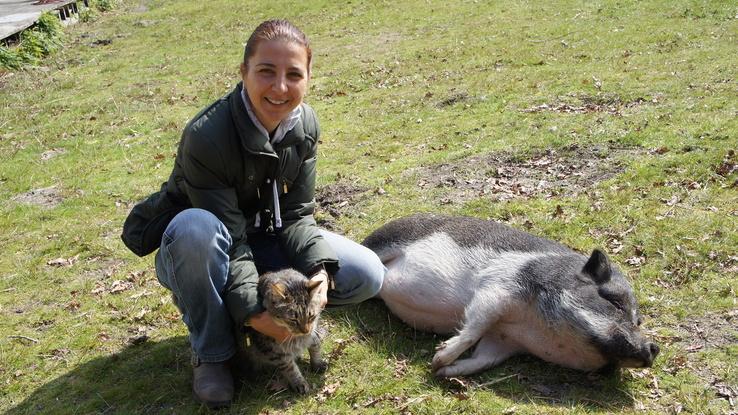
(240, 202)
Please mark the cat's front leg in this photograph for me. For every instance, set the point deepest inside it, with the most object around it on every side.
(317, 364)
(292, 374)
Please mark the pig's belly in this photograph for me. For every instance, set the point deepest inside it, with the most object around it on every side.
(423, 299)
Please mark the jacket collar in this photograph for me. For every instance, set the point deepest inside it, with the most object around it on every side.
(253, 140)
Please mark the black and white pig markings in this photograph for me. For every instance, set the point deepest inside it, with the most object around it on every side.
(507, 292)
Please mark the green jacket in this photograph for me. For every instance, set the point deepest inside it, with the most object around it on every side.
(223, 164)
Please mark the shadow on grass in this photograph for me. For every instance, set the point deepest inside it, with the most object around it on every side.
(523, 379)
(153, 377)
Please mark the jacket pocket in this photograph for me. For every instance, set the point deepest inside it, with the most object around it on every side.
(145, 224)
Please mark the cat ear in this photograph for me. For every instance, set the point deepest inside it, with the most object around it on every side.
(312, 284)
(278, 290)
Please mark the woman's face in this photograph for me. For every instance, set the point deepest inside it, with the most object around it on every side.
(276, 79)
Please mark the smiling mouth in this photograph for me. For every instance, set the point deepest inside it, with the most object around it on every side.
(275, 101)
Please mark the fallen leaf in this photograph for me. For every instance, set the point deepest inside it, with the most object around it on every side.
(672, 201)
(73, 305)
(693, 348)
(59, 354)
(660, 150)
(458, 383)
(636, 261)
(327, 391)
(400, 368)
(61, 262)
(99, 288)
(119, 286)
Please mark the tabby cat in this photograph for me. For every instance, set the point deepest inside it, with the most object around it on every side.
(291, 299)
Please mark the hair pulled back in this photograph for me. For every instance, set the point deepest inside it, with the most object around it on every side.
(277, 29)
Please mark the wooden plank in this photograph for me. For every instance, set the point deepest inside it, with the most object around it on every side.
(16, 16)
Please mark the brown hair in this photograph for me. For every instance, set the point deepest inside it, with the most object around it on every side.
(278, 29)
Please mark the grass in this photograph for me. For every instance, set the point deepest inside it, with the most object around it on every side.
(407, 93)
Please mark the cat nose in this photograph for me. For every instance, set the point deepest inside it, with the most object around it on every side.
(307, 328)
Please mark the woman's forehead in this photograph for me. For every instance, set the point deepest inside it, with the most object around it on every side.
(280, 52)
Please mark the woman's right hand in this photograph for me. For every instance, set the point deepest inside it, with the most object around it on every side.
(264, 324)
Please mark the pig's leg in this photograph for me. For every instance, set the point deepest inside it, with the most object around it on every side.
(483, 312)
(490, 351)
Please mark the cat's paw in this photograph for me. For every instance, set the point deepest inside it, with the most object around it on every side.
(319, 367)
(300, 386)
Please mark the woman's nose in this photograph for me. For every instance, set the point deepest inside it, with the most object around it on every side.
(280, 84)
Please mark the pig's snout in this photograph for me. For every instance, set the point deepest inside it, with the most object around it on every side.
(650, 353)
(642, 357)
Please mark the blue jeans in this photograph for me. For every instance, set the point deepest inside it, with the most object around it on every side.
(192, 262)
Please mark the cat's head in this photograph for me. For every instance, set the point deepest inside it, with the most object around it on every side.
(291, 299)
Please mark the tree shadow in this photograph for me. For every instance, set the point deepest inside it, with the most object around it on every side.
(153, 377)
(523, 379)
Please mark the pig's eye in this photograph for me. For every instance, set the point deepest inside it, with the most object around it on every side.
(616, 302)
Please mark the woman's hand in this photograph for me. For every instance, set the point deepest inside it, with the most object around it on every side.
(322, 289)
(264, 324)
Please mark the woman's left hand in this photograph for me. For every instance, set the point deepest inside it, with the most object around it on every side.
(322, 292)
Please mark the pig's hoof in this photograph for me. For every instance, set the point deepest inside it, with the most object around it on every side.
(440, 360)
(442, 372)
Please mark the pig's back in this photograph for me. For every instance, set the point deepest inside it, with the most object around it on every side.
(468, 232)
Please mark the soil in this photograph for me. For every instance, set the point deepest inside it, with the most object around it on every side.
(46, 197)
(336, 199)
(714, 330)
(506, 176)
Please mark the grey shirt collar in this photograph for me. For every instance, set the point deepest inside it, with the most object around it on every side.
(284, 126)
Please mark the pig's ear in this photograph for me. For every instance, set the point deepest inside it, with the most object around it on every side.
(598, 267)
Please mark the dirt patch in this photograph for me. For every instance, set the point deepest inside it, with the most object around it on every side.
(47, 197)
(713, 330)
(336, 199)
(505, 176)
(609, 104)
(50, 154)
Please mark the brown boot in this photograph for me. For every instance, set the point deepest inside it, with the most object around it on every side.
(212, 383)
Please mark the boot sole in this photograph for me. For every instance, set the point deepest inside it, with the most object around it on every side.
(212, 405)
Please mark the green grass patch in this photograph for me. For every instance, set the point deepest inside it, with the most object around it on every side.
(609, 124)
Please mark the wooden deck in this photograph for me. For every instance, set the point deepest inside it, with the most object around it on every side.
(18, 15)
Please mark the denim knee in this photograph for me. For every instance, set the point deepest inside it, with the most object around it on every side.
(198, 227)
(361, 272)
(357, 282)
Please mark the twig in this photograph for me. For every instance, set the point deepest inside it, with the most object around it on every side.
(412, 401)
(16, 336)
(498, 380)
(7, 290)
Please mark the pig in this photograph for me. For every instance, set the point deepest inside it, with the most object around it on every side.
(508, 292)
